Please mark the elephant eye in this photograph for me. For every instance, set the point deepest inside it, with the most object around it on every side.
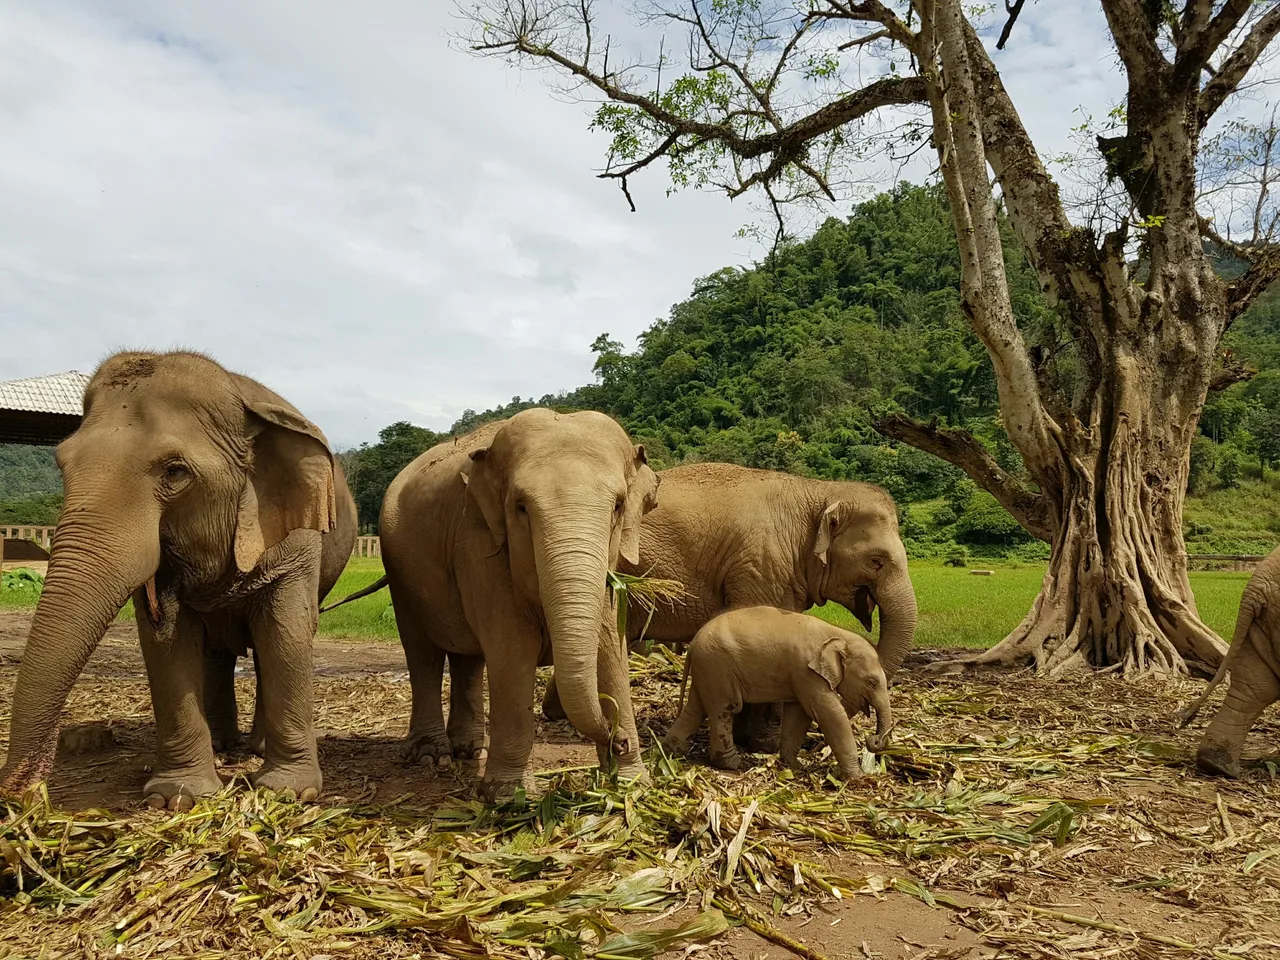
(618, 505)
(520, 508)
(176, 472)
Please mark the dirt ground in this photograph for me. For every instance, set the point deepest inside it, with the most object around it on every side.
(1155, 855)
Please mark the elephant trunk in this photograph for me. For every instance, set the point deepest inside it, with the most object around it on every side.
(83, 592)
(884, 719)
(571, 582)
(898, 617)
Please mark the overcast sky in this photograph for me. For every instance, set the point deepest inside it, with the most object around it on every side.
(327, 197)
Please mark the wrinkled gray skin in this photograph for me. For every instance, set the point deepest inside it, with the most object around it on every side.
(219, 509)
(1254, 663)
(739, 537)
(765, 655)
(497, 547)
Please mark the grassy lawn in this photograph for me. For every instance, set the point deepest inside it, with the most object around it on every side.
(957, 609)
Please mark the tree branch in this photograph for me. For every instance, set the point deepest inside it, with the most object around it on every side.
(1233, 70)
(1135, 37)
(1233, 371)
(1012, 9)
(964, 450)
(1246, 288)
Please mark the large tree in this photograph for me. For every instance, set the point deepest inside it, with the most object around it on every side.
(789, 97)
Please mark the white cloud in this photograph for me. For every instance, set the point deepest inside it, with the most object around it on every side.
(328, 197)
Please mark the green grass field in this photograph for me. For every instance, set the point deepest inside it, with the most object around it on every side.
(957, 609)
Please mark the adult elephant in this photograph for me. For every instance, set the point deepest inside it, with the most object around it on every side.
(739, 537)
(1253, 661)
(219, 508)
(497, 547)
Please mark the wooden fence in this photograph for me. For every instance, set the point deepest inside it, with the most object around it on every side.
(372, 547)
(41, 535)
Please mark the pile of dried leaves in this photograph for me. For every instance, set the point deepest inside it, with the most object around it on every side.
(1001, 799)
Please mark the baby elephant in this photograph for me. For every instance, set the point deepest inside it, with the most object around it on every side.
(766, 655)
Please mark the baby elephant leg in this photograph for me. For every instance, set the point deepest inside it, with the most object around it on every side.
(795, 724)
(676, 740)
(724, 752)
(833, 721)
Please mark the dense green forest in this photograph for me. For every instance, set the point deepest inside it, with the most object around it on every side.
(785, 365)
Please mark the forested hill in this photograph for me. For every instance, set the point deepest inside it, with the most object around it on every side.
(784, 365)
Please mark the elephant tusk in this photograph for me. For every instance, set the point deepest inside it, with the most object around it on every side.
(153, 608)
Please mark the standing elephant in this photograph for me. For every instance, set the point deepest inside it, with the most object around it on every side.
(219, 508)
(1254, 663)
(497, 547)
(738, 537)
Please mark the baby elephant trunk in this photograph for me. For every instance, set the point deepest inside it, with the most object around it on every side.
(879, 742)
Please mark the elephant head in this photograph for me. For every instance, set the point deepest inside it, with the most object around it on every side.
(180, 475)
(858, 560)
(565, 494)
(851, 668)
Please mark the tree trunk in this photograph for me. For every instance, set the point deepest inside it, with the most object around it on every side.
(1116, 594)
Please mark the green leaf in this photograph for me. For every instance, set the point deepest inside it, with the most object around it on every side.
(1255, 858)
(641, 945)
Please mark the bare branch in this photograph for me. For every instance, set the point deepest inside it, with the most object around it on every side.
(1135, 37)
(964, 450)
(1012, 9)
(1228, 77)
(1199, 46)
(1246, 288)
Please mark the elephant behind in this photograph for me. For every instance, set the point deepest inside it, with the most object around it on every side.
(217, 507)
(740, 537)
(1254, 663)
(497, 547)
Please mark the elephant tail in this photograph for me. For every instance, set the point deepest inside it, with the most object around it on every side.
(371, 588)
(684, 682)
(1249, 610)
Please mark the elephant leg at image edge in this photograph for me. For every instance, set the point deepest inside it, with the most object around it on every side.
(1253, 688)
(466, 707)
(184, 767)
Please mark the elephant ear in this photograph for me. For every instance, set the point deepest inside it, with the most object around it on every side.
(828, 661)
(863, 606)
(290, 484)
(484, 484)
(641, 498)
(833, 517)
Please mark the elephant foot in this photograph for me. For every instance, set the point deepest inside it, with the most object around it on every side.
(177, 789)
(86, 738)
(226, 741)
(728, 761)
(849, 771)
(256, 743)
(470, 752)
(1216, 759)
(501, 790)
(427, 749)
(675, 746)
(633, 774)
(300, 780)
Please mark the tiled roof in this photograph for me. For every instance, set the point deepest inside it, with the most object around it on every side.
(59, 393)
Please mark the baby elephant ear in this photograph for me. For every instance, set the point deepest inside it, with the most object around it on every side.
(290, 484)
(828, 663)
(642, 497)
